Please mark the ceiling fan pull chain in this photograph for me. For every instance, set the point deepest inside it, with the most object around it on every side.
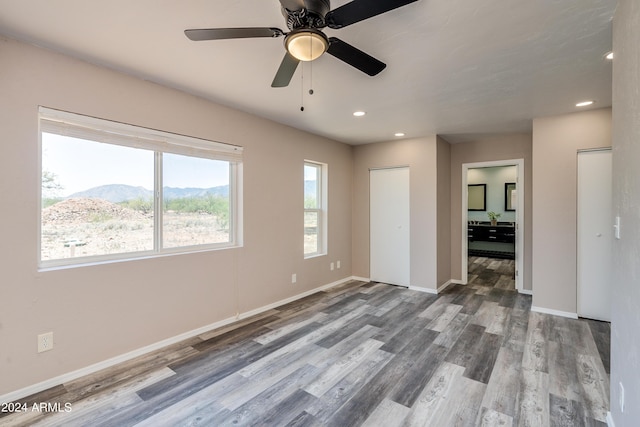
(302, 87)
(311, 78)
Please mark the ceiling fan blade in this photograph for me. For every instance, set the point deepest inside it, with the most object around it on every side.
(355, 57)
(359, 10)
(232, 33)
(285, 72)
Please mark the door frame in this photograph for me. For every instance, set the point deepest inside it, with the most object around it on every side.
(520, 216)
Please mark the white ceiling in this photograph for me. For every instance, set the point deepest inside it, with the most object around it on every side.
(454, 67)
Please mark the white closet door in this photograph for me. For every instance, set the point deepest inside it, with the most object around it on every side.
(389, 226)
(595, 234)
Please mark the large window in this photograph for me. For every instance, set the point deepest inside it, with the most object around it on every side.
(315, 221)
(115, 191)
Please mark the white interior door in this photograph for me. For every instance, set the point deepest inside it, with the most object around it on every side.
(389, 226)
(595, 234)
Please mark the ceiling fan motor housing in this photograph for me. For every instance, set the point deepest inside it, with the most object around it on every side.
(321, 7)
(308, 14)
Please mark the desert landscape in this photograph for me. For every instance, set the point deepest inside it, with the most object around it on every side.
(79, 227)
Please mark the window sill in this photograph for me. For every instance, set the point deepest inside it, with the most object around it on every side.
(57, 265)
(311, 256)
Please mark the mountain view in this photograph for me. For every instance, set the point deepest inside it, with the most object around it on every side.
(117, 193)
(119, 218)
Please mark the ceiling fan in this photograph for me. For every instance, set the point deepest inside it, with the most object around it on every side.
(305, 41)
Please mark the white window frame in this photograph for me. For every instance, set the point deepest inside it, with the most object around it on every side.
(116, 133)
(322, 209)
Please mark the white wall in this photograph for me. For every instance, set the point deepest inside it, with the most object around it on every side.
(133, 304)
(625, 324)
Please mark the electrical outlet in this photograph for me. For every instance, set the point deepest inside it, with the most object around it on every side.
(294, 278)
(45, 342)
(332, 267)
(621, 397)
(338, 264)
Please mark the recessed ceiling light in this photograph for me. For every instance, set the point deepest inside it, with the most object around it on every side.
(609, 56)
(584, 103)
(359, 113)
(399, 134)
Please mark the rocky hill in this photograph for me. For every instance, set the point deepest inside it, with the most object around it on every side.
(83, 210)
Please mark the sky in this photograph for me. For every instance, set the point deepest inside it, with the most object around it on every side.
(310, 173)
(80, 165)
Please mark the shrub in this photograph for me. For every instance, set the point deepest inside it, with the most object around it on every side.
(140, 204)
(213, 205)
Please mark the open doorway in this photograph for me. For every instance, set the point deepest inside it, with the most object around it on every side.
(493, 220)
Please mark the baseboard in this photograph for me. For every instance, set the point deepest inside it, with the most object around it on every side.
(439, 289)
(610, 422)
(361, 279)
(61, 379)
(448, 283)
(526, 291)
(554, 312)
(444, 286)
(293, 298)
(427, 290)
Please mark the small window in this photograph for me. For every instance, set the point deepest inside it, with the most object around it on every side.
(112, 191)
(315, 221)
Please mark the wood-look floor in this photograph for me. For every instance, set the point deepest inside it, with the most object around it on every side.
(362, 354)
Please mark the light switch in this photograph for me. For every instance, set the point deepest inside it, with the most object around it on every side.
(616, 228)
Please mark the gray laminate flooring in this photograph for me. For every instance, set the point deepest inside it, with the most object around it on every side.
(362, 354)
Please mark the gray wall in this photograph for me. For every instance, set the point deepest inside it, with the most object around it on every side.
(444, 211)
(625, 325)
(503, 147)
(138, 303)
(556, 141)
(420, 155)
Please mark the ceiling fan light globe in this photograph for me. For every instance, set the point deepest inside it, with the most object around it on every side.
(306, 45)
